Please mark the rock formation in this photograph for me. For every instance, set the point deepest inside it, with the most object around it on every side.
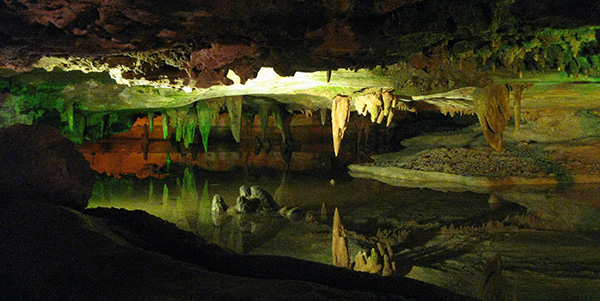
(39, 163)
(340, 115)
(294, 214)
(267, 202)
(218, 205)
(492, 107)
(341, 254)
(246, 205)
(377, 102)
(379, 261)
(204, 121)
(234, 109)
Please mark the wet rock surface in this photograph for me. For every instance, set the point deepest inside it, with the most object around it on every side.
(39, 163)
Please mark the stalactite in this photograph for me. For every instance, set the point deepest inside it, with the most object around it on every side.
(204, 113)
(165, 124)
(377, 102)
(323, 113)
(264, 110)
(177, 116)
(189, 124)
(492, 107)
(340, 115)
(341, 254)
(369, 103)
(234, 109)
(178, 132)
(151, 121)
(308, 113)
(517, 92)
(389, 103)
(278, 112)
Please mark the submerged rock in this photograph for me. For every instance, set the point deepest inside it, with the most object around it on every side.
(245, 191)
(246, 205)
(39, 163)
(218, 205)
(294, 214)
(267, 202)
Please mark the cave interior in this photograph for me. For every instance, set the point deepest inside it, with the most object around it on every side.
(434, 149)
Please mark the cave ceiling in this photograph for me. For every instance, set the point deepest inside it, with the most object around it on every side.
(144, 54)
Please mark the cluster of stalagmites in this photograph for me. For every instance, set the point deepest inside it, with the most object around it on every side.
(254, 200)
(379, 261)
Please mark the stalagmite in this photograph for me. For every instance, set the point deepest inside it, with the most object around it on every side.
(204, 113)
(367, 263)
(341, 254)
(340, 115)
(378, 262)
(234, 109)
(492, 105)
(165, 124)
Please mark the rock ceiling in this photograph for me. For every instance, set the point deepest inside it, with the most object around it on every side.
(198, 42)
(172, 53)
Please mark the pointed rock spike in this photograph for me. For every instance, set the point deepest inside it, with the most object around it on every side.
(340, 115)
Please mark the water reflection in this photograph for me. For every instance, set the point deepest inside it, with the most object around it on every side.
(448, 234)
(367, 205)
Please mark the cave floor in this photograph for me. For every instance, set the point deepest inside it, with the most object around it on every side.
(444, 238)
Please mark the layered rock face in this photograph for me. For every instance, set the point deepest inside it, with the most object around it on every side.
(39, 163)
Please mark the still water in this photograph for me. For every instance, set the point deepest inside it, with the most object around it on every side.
(555, 261)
